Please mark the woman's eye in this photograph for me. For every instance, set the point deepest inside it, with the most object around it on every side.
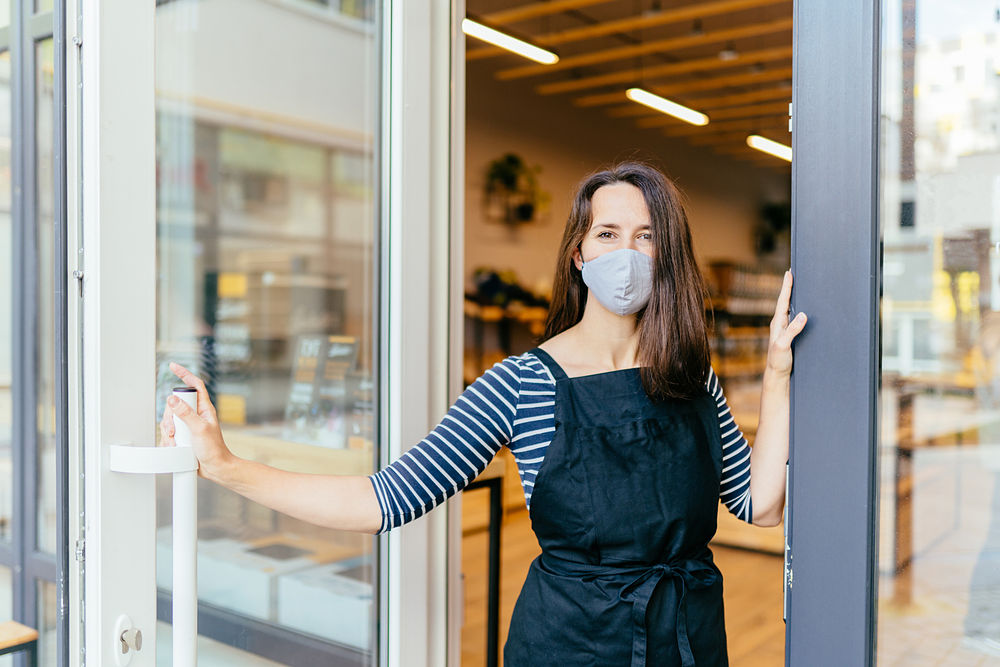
(604, 235)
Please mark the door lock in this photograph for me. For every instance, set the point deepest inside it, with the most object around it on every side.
(128, 639)
(131, 640)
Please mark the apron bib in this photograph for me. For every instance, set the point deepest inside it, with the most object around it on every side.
(623, 507)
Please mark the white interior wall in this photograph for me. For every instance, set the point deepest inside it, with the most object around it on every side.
(723, 194)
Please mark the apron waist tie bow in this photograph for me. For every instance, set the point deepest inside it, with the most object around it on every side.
(691, 574)
(687, 575)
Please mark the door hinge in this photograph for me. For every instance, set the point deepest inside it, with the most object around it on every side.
(80, 550)
(78, 276)
(789, 116)
(78, 37)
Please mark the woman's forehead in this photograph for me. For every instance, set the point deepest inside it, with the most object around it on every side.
(620, 203)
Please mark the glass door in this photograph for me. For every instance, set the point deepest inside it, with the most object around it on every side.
(251, 200)
(267, 191)
(894, 535)
(939, 441)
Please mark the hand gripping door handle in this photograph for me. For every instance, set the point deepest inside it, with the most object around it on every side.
(181, 462)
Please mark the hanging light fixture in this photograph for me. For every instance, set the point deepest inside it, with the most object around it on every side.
(663, 105)
(770, 147)
(509, 42)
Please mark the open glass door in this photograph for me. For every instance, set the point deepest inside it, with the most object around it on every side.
(250, 174)
(894, 505)
(939, 442)
(256, 149)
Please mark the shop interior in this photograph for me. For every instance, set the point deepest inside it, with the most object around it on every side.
(533, 131)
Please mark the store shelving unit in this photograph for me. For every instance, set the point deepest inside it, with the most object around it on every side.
(742, 305)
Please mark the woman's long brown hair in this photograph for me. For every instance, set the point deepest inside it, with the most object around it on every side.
(673, 337)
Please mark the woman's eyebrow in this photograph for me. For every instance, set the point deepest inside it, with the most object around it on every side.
(615, 225)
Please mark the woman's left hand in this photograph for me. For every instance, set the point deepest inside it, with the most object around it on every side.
(779, 351)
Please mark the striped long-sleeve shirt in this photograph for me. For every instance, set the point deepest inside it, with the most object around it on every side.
(513, 404)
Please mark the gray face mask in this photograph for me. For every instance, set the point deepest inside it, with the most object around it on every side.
(621, 280)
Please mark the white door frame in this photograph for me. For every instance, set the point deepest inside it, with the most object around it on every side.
(112, 118)
(116, 170)
(418, 309)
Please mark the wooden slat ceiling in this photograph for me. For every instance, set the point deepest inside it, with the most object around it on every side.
(730, 59)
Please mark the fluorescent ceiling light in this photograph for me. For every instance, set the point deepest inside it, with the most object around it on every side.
(770, 147)
(664, 105)
(505, 41)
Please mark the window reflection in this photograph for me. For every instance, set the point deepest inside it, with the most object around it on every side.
(6, 306)
(48, 621)
(45, 353)
(6, 606)
(265, 267)
(939, 590)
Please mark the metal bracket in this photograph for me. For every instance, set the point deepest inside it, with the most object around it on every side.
(151, 460)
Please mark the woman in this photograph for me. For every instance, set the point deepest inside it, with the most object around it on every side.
(621, 404)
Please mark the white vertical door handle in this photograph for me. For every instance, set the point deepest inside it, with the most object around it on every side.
(181, 462)
(185, 534)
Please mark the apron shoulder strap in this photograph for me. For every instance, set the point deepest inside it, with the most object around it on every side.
(550, 363)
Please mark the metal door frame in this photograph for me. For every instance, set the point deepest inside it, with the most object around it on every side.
(832, 514)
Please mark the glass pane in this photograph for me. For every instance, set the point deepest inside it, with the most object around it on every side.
(265, 228)
(6, 607)
(45, 362)
(4, 18)
(6, 308)
(43, 6)
(48, 617)
(939, 512)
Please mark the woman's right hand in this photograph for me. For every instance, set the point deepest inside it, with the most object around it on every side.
(342, 502)
(206, 434)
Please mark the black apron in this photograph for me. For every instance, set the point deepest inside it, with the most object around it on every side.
(623, 507)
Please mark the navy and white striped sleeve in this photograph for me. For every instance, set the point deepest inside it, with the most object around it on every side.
(455, 452)
(735, 488)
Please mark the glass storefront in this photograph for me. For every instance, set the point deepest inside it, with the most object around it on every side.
(47, 624)
(6, 605)
(47, 511)
(267, 114)
(29, 542)
(939, 510)
(6, 310)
